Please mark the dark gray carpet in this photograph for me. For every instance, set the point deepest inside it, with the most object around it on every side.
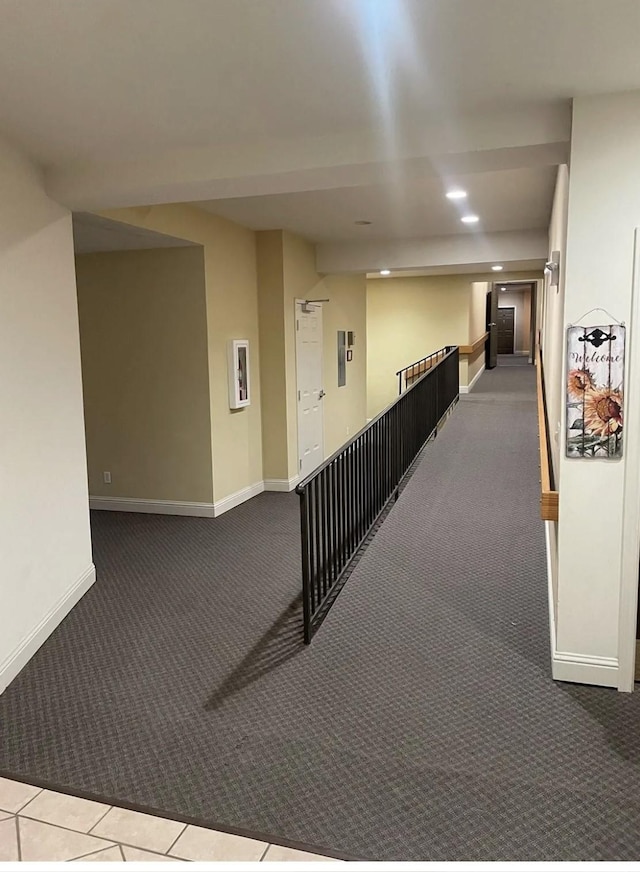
(421, 724)
(513, 360)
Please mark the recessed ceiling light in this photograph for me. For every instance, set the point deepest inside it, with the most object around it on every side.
(456, 194)
(503, 288)
(385, 272)
(362, 223)
(470, 219)
(497, 267)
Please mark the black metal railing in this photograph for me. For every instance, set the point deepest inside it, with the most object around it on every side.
(409, 374)
(341, 501)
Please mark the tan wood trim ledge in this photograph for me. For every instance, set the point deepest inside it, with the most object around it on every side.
(477, 345)
(548, 496)
(415, 371)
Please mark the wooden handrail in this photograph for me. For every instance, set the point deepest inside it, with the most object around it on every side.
(471, 349)
(418, 368)
(549, 497)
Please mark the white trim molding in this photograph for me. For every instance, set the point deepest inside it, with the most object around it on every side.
(585, 669)
(630, 545)
(153, 507)
(281, 485)
(551, 582)
(466, 389)
(235, 499)
(19, 658)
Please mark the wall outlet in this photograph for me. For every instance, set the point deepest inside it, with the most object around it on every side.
(348, 431)
(107, 477)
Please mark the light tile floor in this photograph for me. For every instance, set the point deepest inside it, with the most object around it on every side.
(40, 825)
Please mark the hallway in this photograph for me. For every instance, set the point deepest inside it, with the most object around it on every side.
(422, 722)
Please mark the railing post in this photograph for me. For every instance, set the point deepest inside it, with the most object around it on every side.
(341, 501)
(306, 568)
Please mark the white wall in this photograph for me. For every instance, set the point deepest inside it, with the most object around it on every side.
(550, 314)
(553, 309)
(44, 519)
(604, 210)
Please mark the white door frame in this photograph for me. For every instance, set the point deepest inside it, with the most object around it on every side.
(297, 311)
(630, 542)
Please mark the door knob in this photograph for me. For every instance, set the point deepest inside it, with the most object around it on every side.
(493, 323)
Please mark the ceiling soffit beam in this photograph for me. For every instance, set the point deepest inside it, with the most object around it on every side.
(478, 144)
(443, 251)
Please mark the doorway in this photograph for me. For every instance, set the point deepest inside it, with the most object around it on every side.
(506, 329)
(515, 323)
(309, 371)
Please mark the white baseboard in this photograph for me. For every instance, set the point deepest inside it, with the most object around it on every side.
(179, 507)
(233, 500)
(281, 485)
(567, 666)
(153, 507)
(585, 669)
(19, 658)
(550, 598)
(466, 389)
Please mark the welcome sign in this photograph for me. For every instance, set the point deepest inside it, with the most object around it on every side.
(595, 384)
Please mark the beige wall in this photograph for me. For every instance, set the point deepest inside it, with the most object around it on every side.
(478, 310)
(408, 318)
(286, 273)
(475, 363)
(143, 336)
(344, 407)
(273, 363)
(45, 545)
(345, 410)
(232, 313)
(301, 281)
(521, 302)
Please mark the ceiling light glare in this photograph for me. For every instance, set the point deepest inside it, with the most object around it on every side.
(385, 272)
(470, 219)
(503, 288)
(456, 194)
(497, 268)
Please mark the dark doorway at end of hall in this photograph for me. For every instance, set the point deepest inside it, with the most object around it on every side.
(515, 322)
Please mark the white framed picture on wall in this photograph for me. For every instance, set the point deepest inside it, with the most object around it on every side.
(238, 371)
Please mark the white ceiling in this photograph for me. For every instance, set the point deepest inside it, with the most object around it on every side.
(508, 200)
(520, 266)
(311, 114)
(116, 78)
(94, 233)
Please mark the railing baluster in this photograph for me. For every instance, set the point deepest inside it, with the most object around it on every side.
(342, 500)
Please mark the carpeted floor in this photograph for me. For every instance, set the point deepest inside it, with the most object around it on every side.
(421, 724)
(513, 360)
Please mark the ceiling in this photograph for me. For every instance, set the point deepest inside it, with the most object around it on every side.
(508, 200)
(520, 266)
(116, 78)
(514, 287)
(93, 233)
(312, 115)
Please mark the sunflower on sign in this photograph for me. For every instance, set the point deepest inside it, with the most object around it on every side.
(601, 423)
(603, 412)
(578, 382)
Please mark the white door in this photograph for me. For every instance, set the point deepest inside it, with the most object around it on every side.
(310, 392)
